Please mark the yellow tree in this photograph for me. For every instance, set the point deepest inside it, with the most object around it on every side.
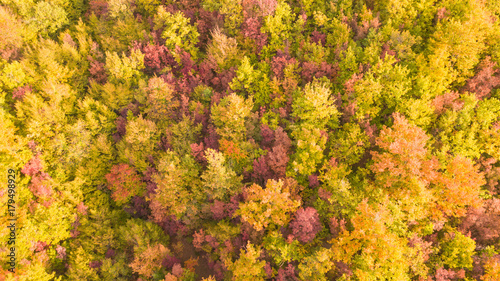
(248, 266)
(372, 249)
(270, 206)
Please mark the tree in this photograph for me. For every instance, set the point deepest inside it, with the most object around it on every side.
(219, 181)
(229, 117)
(468, 136)
(306, 224)
(149, 261)
(175, 186)
(315, 106)
(316, 266)
(10, 40)
(139, 142)
(282, 250)
(248, 266)
(483, 223)
(457, 250)
(278, 26)
(177, 31)
(263, 207)
(315, 110)
(124, 182)
(160, 102)
(383, 90)
(223, 51)
(253, 81)
(126, 69)
(492, 268)
(459, 187)
(454, 36)
(404, 167)
(371, 248)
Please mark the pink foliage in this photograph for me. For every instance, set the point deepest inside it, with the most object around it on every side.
(212, 138)
(98, 7)
(442, 13)
(206, 22)
(110, 253)
(313, 181)
(61, 252)
(39, 246)
(40, 185)
(306, 224)
(281, 139)
(74, 232)
(218, 210)
(121, 124)
(206, 70)
(138, 208)
(124, 182)
(278, 160)
(386, 50)
(424, 247)
(487, 78)
(266, 7)
(312, 70)
(251, 29)
(20, 92)
(187, 62)
(219, 270)
(273, 165)
(197, 150)
(261, 172)
(371, 130)
(349, 111)
(449, 100)
(342, 269)
(349, 84)
(267, 136)
(268, 269)
(177, 270)
(287, 274)
(360, 30)
(95, 264)
(169, 262)
(491, 172)
(97, 70)
(336, 226)
(157, 57)
(280, 61)
(483, 223)
(318, 37)
(32, 145)
(33, 167)
(449, 274)
(81, 208)
(324, 194)
(201, 240)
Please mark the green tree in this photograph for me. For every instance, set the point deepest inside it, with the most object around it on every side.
(314, 111)
(177, 31)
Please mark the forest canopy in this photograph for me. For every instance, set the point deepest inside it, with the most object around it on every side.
(250, 140)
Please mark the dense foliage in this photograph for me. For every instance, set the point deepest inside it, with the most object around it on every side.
(251, 139)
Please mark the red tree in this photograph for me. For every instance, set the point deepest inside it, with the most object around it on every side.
(124, 182)
(306, 224)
